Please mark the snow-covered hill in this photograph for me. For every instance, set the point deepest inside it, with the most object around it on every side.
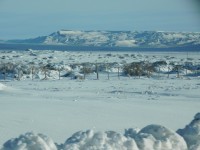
(146, 39)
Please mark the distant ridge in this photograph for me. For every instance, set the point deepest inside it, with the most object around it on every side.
(131, 39)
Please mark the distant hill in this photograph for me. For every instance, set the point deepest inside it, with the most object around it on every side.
(142, 39)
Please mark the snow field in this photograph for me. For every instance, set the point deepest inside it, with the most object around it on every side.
(60, 108)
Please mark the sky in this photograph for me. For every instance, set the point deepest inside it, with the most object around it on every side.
(21, 19)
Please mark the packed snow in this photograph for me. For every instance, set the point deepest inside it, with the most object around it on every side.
(49, 92)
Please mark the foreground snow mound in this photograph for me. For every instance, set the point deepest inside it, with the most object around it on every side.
(30, 141)
(156, 137)
(191, 133)
(2, 87)
(90, 140)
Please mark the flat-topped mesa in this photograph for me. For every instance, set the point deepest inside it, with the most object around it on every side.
(140, 39)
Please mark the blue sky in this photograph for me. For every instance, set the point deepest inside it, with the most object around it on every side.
(21, 19)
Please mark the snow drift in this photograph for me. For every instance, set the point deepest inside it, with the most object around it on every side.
(191, 133)
(2, 87)
(100, 140)
(6, 89)
(151, 137)
(30, 141)
(156, 137)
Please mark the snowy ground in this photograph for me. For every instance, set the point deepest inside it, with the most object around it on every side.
(59, 108)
